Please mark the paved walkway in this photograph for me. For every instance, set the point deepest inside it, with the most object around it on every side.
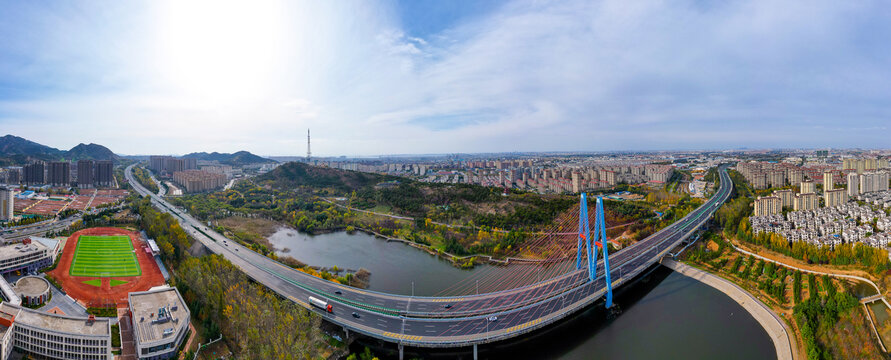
(776, 328)
(128, 344)
(189, 342)
(64, 303)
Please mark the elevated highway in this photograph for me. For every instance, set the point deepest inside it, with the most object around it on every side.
(426, 321)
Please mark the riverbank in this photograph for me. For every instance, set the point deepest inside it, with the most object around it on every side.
(819, 309)
(775, 327)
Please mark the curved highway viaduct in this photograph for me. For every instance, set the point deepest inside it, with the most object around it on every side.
(425, 321)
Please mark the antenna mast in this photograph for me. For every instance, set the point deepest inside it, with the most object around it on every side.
(308, 152)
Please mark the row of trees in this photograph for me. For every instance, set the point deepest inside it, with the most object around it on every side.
(874, 259)
(818, 315)
(142, 175)
(256, 322)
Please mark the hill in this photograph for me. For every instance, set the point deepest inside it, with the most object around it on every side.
(235, 159)
(14, 146)
(17, 150)
(90, 152)
(294, 174)
(483, 205)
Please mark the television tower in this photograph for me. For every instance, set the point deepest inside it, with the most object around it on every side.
(308, 152)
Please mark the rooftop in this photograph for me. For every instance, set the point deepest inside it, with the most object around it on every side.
(60, 323)
(19, 249)
(31, 285)
(157, 313)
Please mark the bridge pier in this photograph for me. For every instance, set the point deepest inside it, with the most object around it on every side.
(400, 352)
(475, 355)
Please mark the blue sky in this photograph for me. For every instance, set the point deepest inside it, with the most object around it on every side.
(445, 76)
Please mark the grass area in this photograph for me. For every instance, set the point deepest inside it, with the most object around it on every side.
(845, 340)
(104, 256)
(103, 312)
(116, 282)
(94, 282)
(881, 318)
(116, 335)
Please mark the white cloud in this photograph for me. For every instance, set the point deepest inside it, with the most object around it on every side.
(568, 75)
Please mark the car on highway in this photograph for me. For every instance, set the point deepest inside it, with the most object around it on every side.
(447, 306)
(493, 318)
(355, 315)
(338, 292)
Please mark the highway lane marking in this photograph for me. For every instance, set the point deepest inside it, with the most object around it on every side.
(403, 337)
(445, 300)
(523, 326)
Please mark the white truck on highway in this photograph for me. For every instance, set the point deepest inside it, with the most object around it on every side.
(321, 304)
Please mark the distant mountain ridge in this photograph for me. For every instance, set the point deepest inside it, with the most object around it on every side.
(18, 150)
(238, 158)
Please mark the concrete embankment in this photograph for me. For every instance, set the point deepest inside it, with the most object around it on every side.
(776, 328)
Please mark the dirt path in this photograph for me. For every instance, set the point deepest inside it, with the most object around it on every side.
(189, 341)
(803, 266)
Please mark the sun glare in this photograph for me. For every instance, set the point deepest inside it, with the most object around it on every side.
(219, 50)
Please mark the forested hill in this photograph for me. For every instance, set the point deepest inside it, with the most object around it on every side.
(483, 205)
(294, 174)
(15, 150)
(234, 159)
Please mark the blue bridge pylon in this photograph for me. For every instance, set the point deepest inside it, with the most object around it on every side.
(599, 239)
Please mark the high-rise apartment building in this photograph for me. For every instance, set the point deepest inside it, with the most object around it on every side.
(863, 165)
(576, 182)
(156, 163)
(59, 173)
(808, 187)
(806, 201)
(6, 204)
(787, 197)
(833, 198)
(34, 173)
(12, 176)
(873, 181)
(85, 173)
(197, 180)
(768, 205)
(171, 164)
(828, 181)
(796, 176)
(104, 173)
(853, 184)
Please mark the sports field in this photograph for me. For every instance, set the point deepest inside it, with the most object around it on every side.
(104, 256)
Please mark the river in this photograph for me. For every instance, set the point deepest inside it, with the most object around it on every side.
(664, 316)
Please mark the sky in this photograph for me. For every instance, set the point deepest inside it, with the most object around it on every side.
(430, 76)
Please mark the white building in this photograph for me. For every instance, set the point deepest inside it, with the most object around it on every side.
(853, 184)
(160, 322)
(29, 255)
(51, 336)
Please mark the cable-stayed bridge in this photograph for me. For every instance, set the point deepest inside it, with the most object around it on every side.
(578, 272)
